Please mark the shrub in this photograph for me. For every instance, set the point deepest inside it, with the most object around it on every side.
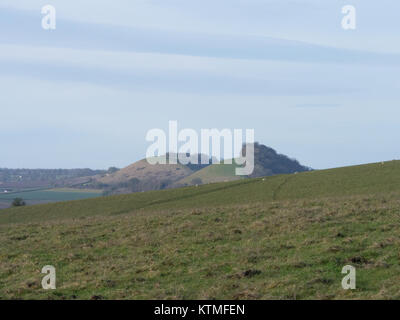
(18, 202)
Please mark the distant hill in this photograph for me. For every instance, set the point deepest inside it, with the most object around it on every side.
(267, 162)
(143, 176)
(19, 179)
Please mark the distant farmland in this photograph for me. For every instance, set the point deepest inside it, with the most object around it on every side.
(47, 195)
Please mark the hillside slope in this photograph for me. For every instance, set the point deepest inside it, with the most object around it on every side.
(281, 237)
(354, 180)
(267, 162)
(212, 174)
(142, 176)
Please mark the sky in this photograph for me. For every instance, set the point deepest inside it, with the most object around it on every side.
(85, 94)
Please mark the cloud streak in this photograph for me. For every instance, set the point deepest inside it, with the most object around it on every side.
(26, 30)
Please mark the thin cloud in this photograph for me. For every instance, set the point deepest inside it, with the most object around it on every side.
(318, 105)
(20, 27)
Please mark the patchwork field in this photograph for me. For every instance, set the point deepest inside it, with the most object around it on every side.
(47, 195)
(281, 237)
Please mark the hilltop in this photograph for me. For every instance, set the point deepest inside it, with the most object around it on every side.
(267, 162)
(142, 176)
(280, 237)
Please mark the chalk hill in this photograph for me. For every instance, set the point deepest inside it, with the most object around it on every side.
(142, 176)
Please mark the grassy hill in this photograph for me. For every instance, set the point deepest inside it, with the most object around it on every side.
(267, 162)
(142, 176)
(285, 237)
(212, 174)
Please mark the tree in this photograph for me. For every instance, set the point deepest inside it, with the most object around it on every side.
(112, 169)
(18, 202)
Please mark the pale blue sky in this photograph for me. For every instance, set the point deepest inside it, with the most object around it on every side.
(85, 94)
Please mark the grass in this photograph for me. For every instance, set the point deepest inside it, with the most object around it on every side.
(214, 173)
(282, 237)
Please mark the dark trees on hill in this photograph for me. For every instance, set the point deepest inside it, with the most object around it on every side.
(268, 162)
(112, 170)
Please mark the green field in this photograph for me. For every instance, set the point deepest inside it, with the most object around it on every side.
(52, 194)
(34, 197)
(281, 237)
(214, 173)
